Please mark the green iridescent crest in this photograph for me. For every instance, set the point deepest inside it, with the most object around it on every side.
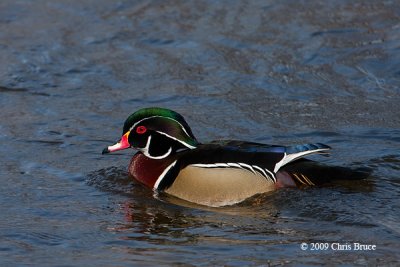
(164, 121)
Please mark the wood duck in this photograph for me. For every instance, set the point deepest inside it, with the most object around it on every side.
(219, 173)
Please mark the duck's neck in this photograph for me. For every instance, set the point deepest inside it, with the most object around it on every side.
(147, 170)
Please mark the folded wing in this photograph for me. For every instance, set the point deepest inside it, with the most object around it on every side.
(292, 153)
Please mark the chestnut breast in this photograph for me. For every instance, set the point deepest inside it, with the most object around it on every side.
(147, 170)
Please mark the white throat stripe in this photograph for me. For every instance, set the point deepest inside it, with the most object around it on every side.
(145, 150)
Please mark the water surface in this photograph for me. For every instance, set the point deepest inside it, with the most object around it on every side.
(282, 73)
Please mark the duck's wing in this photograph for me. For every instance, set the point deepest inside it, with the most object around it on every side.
(292, 153)
(253, 156)
(223, 174)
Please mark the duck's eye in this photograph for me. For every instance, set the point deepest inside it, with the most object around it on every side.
(141, 129)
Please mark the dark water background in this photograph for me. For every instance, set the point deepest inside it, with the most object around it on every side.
(282, 72)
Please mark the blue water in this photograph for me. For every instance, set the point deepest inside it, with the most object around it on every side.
(284, 72)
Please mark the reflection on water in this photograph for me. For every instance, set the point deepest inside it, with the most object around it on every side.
(272, 72)
(278, 220)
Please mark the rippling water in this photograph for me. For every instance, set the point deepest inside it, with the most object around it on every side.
(282, 72)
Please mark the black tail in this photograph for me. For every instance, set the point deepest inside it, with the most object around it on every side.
(307, 172)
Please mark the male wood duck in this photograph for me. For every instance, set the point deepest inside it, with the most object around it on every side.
(219, 173)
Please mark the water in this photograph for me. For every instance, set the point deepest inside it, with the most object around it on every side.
(282, 73)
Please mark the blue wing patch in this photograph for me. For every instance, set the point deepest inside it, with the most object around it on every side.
(307, 147)
(295, 152)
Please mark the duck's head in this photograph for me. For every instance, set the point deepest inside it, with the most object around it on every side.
(156, 132)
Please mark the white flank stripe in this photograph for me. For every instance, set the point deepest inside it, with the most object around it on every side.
(235, 165)
(260, 170)
(271, 174)
(162, 175)
(247, 167)
(253, 168)
(224, 165)
(205, 165)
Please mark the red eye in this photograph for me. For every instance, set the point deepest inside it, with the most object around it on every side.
(141, 129)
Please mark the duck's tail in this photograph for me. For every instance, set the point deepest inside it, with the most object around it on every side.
(309, 173)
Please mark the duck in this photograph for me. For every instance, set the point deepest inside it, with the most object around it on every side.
(170, 159)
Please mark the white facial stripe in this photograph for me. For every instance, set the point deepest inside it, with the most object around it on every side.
(162, 175)
(145, 150)
(183, 128)
(253, 168)
(180, 141)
